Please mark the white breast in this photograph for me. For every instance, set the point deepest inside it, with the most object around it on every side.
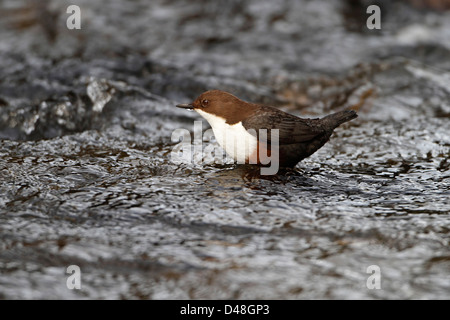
(237, 142)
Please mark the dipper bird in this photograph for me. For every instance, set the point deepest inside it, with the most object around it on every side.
(237, 127)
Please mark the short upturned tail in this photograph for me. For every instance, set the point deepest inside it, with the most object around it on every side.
(336, 119)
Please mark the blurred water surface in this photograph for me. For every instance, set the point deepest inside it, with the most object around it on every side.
(86, 118)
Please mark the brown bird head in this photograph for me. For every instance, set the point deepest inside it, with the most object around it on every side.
(222, 104)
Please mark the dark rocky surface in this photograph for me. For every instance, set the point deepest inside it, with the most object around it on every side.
(86, 118)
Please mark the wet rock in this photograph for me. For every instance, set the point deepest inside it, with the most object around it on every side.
(87, 116)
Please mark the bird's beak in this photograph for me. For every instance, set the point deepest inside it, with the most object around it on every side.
(185, 106)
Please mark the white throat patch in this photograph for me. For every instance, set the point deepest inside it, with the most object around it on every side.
(234, 139)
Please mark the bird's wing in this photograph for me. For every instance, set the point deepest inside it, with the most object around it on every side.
(291, 129)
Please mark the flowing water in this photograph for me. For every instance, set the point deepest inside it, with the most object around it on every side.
(86, 119)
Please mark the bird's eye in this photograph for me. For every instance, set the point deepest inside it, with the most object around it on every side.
(205, 103)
